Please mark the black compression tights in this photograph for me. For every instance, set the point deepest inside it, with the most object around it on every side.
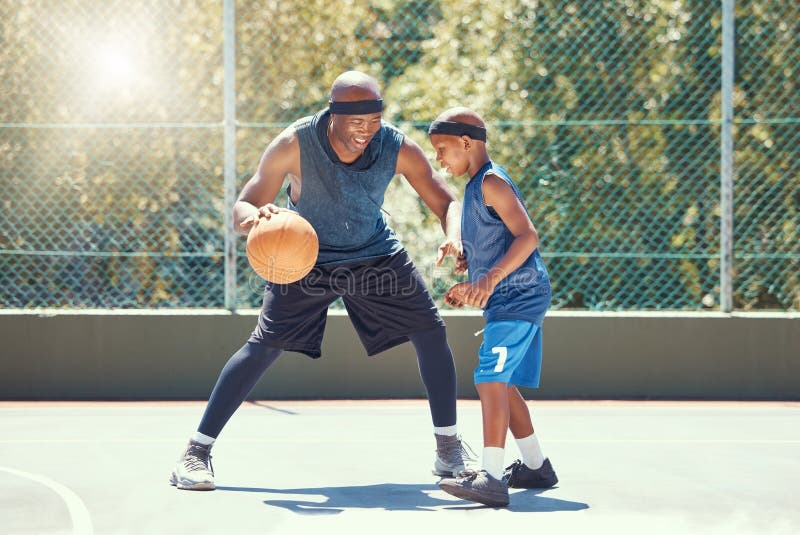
(438, 373)
(247, 365)
(236, 380)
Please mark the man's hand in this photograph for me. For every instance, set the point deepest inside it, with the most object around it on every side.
(265, 211)
(461, 264)
(450, 247)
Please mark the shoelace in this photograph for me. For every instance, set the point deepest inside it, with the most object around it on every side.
(514, 466)
(513, 470)
(458, 448)
(467, 453)
(467, 475)
(198, 458)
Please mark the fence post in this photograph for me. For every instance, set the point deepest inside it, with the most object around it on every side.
(229, 122)
(726, 164)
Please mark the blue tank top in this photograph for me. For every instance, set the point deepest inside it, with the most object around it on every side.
(525, 293)
(343, 202)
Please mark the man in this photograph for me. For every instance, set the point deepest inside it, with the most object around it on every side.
(339, 164)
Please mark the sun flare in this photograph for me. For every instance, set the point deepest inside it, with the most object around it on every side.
(113, 66)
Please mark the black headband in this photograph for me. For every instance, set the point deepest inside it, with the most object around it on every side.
(452, 128)
(358, 107)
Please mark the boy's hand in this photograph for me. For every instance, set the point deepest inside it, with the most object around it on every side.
(455, 295)
(474, 295)
(464, 293)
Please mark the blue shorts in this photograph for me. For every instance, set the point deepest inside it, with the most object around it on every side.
(511, 353)
(385, 297)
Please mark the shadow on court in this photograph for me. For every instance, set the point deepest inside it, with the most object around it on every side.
(269, 406)
(396, 497)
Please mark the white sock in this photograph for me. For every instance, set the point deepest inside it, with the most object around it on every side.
(532, 454)
(450, 430)
(205, 440)
(493, 461)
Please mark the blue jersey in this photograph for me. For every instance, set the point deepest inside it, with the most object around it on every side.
(343, 201)
(525, 293)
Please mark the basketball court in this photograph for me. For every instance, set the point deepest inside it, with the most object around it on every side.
(364, 466)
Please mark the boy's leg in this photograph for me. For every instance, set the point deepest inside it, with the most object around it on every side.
(534, 470)
(486, 486)
(495, 413)
(523, 431)
(500, 356)
(520, 422)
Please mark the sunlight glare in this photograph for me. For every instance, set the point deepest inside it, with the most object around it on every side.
(114, 66)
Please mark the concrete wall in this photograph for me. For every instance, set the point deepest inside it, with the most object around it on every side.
(178, 355)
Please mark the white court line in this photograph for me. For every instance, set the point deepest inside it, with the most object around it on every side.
(81, 520)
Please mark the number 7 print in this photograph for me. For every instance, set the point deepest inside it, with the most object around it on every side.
(501, 361)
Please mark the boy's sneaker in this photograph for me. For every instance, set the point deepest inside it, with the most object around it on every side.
(519, 476)
(194, 470)
(477, 486)
(450, 454)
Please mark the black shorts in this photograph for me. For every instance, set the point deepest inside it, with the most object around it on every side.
(386, 299)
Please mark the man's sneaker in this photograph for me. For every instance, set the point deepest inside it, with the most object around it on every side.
(450, 454)
(477, 486)
(194, 470)
(519, 476)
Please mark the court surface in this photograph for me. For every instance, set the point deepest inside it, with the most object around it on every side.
(364, 467)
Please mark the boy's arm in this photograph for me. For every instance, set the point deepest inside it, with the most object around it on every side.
(499, 195)
(434, 192)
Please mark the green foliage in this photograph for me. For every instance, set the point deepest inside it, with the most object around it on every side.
(606, 113)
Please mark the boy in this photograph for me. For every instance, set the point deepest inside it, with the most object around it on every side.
(508, 279)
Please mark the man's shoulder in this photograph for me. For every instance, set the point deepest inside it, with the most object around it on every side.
(393, 130)
(288, 136)
(292, 133)
(301, 123)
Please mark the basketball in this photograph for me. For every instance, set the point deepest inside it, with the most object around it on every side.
(283, 248)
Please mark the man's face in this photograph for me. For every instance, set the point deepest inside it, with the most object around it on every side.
(355, 131)
(450, 153)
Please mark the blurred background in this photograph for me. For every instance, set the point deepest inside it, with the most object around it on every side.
(127, 126)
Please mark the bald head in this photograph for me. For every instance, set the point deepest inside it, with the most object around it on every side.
(352, 86)
(461, 114)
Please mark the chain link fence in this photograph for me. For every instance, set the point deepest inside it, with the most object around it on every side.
(608, 114)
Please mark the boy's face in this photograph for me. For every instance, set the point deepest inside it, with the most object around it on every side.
(451, 153)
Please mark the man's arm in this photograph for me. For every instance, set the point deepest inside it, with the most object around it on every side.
(280, 158)
(434, 192)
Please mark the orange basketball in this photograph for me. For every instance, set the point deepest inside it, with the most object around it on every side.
(283, 248)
